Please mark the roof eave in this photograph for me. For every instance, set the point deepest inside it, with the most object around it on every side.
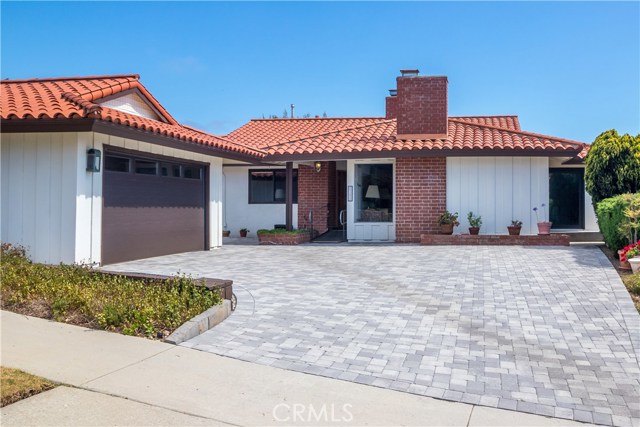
(109, 128)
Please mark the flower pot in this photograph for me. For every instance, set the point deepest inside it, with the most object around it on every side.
(544, 228)
(446, 228)
(635, 264)
(474, 231)
(226, 233)
(624, 265)
(243, 233)
(513, 230)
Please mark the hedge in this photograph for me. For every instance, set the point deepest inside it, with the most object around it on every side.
(610, 213)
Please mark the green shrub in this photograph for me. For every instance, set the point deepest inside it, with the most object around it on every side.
(632, 283)
(131, 306)
(611, 219)
(612, 166)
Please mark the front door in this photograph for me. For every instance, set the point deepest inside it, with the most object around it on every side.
(371, 200)
(566, 197)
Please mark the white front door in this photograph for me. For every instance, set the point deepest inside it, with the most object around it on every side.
(371, 193)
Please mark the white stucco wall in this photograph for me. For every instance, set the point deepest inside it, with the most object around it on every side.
(500, 189)
(52, 206)
(238, 213)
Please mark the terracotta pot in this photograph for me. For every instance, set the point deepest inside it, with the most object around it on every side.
(474, 231)
(513, 230)
(623, 265)
(635, 264)
(544, 228)
(243, 233)
(226, 233)
(446, 228)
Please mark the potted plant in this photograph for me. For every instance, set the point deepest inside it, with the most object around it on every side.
(544, 227)
(474, 223)
(515, 227)
(447, 221)
(631, 256)
(226, 233)
(243, 232)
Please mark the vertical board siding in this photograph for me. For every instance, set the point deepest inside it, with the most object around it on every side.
(500, 189)
(38, 194)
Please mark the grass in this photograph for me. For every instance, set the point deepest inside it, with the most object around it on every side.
(18, 385)
(83, 296)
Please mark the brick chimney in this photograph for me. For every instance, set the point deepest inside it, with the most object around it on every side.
(420, 106)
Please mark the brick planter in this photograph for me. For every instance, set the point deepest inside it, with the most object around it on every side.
(284, 239)
(467, 239)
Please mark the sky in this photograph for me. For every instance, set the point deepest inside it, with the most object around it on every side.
(570, 70)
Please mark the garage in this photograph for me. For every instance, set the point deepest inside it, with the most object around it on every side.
(152, 206)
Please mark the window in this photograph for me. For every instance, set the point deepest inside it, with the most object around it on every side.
(270, 186)
(146, 167)
(171, 170)
(374, 193)
(116, 164)
(191, 172)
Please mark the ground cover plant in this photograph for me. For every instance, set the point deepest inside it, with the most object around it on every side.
(18, 385)
(84, 296)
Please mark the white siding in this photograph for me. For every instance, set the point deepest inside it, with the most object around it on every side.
(38, 194)
(499, 189)
(131, 103)
(238, 213)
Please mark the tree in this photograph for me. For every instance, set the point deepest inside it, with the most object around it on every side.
(612, 165)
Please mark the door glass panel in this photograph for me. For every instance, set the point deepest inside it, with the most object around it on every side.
(374, 193)
(566, 198)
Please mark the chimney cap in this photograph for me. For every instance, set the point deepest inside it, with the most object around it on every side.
(410, 72)
(393, 92)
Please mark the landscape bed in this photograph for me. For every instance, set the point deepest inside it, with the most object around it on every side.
(80, 295)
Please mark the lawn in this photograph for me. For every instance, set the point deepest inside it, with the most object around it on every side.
(18, 385)
(84, 296)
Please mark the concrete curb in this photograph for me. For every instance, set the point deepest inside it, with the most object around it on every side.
(200, 323)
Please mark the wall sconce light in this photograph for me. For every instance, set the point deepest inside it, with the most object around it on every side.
(93, 160)
(318, 166)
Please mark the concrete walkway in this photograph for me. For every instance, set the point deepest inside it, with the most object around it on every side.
(542, 330)
(121, 380)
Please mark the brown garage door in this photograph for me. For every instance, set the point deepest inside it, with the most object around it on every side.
(151, 206)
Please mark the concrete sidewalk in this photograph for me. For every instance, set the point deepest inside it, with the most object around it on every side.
(134, 381)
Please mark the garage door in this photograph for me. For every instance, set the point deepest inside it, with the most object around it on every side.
(151, 206)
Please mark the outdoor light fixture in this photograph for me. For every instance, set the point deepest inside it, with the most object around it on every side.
(318, 166)
(93, 160)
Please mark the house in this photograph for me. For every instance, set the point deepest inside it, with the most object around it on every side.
(96, 170)
(389, 178)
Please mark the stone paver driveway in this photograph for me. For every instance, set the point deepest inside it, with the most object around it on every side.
(548, 331)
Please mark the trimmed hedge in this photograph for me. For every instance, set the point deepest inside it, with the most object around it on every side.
(610, 213)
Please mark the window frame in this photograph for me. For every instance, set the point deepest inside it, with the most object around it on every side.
(273, 173)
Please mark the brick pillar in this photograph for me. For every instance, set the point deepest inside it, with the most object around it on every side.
(316, 190)
(421, 196)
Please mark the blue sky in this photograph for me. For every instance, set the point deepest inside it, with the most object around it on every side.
(567, 69)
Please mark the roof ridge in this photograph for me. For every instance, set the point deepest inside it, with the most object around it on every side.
(483, 117)
(53, 79)
(329, 133)
(319, 118)
(538, 135)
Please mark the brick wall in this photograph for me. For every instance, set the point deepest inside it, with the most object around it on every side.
(391, 103)
(420, 196)
(316, 190)
(421, 106)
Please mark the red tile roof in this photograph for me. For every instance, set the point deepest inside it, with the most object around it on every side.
(76, 97)
(307, 137)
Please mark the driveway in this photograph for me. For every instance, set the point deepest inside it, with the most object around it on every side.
(549, 331)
